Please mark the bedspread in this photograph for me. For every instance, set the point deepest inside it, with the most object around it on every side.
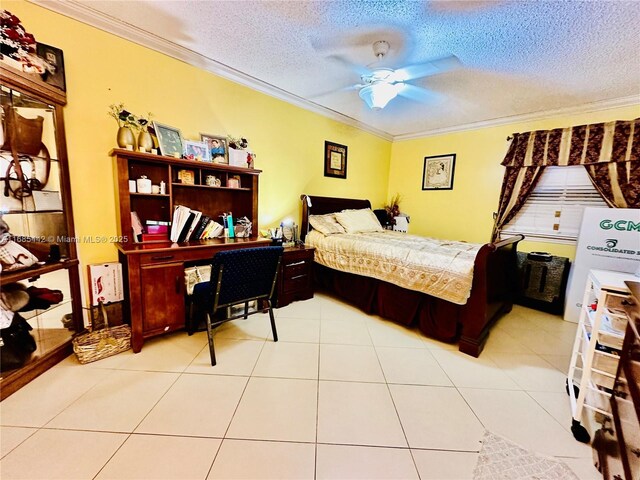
(443, 269)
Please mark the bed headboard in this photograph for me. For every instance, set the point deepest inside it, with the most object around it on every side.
(323, 205)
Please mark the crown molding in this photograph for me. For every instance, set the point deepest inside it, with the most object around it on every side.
(82, 12)
(526, 117)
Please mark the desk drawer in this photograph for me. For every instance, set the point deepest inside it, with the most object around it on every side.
(298, 282)
(154, 258)
(296, 268)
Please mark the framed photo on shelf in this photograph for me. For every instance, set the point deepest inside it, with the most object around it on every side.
(197, 151)
(186, 177)
(169, 140)
(335, 160)
(54, 72)
(438, 172)
(218, 147)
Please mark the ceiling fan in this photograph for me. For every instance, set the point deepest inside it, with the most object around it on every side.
(381, 85)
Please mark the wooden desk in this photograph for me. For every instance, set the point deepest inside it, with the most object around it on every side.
(154, 281)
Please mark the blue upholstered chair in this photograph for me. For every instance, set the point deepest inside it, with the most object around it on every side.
(239, 277)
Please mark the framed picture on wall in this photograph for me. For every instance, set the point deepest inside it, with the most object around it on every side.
(54, 71)
(335, 160)
(438, 172)
(169, 140)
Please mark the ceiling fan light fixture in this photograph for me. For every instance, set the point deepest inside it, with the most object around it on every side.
(378, 95)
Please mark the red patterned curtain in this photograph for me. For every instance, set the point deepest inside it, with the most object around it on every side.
(609, 151)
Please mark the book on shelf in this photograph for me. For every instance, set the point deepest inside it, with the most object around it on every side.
(136, 226)
(155, 237)
(181, 215)
(212, 230)
(182, 236)
(193, 225)
(199, 230)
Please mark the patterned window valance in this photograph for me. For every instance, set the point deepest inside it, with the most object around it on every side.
(617, 141)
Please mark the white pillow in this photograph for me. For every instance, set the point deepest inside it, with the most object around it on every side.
(359, 221)
(326, 224)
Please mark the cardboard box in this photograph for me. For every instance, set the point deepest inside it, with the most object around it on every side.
(106, 283)
(238, 158)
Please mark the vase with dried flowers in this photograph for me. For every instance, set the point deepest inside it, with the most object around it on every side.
(145, 141)
(393, 208)
(126, 123)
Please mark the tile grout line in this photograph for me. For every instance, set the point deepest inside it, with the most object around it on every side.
(315, 456)
(395, 407)
(235, 410)
(130, 434)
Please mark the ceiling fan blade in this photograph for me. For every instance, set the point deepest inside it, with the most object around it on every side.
(432, 67)
(418, 94)
(350, 65)
(336, 90)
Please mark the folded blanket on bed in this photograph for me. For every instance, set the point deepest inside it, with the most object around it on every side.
(440, 268)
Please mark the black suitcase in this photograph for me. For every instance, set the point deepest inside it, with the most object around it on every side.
(542, 281)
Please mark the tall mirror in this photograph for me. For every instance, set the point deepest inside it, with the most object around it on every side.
(30, 193)
(42, 297)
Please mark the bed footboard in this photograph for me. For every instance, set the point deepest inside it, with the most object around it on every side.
(492, 293)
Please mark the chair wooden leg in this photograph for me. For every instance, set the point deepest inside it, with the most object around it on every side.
(212, 352)
(273, 322)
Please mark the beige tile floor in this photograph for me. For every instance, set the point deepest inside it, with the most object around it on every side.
(342, 395)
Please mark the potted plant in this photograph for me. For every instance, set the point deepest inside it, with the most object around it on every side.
(144, 138)
(126, 123)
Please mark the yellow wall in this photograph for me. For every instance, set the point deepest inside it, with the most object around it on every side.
(465, 213)
(102, 69)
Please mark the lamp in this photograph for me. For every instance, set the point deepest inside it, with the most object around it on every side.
(378, 94)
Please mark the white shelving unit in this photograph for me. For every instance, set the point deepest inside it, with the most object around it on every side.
(597, 345)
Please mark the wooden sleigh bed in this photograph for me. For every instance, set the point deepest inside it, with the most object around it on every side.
(492, 291)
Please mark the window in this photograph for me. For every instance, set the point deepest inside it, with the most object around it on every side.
(553, 211)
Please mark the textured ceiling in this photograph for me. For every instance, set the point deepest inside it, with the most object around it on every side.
(519, 57)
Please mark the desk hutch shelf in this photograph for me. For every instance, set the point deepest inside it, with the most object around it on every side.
(210, 200)
(154, 271)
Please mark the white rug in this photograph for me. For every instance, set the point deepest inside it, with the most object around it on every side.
(502, 459)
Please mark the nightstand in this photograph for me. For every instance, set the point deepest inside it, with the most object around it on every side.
(295, 280)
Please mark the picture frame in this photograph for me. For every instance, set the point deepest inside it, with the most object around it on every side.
(55, 58)
(169, 140)
(198, 151)
(218, 148)
(186, 177)
(438, 172)
(335, 160)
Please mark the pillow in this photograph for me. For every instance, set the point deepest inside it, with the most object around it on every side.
(359, 221)
(326, 224)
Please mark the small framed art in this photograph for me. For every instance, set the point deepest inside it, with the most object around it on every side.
(438, 172)
(169, 140)
(197, 151)
(54, 72)
(217, 147)
(335, 160)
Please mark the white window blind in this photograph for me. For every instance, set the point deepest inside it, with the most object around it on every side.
(553, 211)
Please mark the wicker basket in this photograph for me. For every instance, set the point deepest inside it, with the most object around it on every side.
(90, 347)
